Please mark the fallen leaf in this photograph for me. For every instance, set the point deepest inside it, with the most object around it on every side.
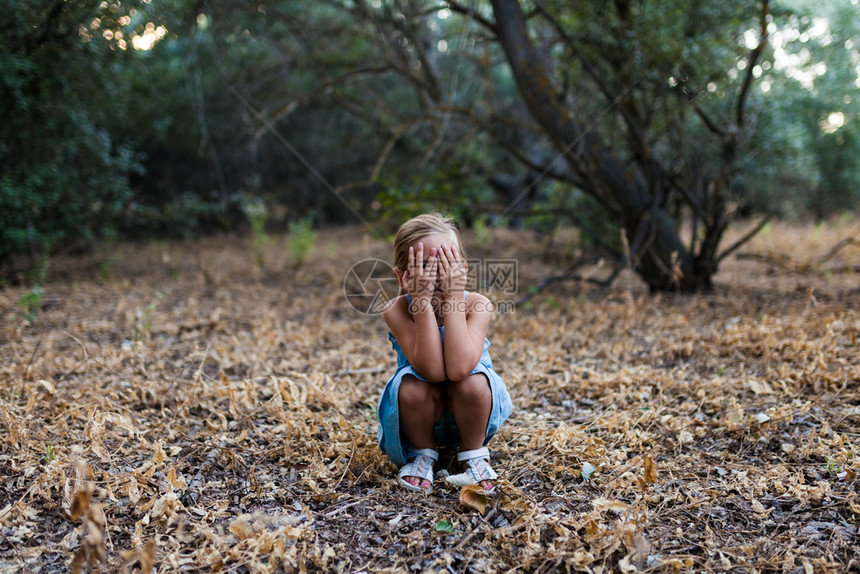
(147, 557)
(602, 504)
(587, 471)
(175, 482)
(81, 501)
(473, 496)
(650, 471)
(685, 437)
(444, 526)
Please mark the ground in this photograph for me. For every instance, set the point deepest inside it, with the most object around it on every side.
(209, 405)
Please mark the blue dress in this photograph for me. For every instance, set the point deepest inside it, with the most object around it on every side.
(445, 431)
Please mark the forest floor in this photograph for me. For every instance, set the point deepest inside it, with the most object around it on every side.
(189, 406)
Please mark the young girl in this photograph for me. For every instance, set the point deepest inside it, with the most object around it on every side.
(444, 391)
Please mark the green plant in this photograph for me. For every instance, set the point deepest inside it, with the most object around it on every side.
(374, 413)
(445, 526)
(482, 233)
(30, 303)
(258, 216)
(587, 471)
(143, 318)
(106, 269)
(301, 239)
(831, 468)
(49, 455)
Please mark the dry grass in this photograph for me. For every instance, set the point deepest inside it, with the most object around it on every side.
(194, 412)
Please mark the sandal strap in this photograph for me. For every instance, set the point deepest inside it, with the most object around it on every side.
(430, 453)
(480, 469)
(466, 455)
(421, 466)
(477, 468)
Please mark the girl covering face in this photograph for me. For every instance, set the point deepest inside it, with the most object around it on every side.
(444, 391)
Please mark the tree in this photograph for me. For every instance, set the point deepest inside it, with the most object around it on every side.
(635, 192)
(64, 177)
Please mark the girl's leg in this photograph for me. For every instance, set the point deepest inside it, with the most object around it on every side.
(470, 401)
(420, 405)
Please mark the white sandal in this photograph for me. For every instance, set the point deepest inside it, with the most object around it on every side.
(420, 467)
(477, 468)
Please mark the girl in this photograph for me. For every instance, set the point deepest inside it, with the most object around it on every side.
(444, 391)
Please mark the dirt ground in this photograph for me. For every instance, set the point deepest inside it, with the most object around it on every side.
(198, 406)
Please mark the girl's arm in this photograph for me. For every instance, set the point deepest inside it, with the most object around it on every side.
(466, 324)
(466, 319)
(416, 330)
(419, 339)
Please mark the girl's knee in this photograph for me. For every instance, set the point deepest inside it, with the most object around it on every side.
(473, 389)
(414, 391)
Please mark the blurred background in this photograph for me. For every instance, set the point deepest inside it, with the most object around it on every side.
(649, 127)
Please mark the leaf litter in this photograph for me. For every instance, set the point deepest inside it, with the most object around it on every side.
(201, 413)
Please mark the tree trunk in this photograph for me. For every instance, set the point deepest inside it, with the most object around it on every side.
(659, 256)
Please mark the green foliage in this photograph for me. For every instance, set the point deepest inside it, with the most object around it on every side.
(100, 140)
(50, 454)
(301, 239)
(483, 239)
(30, 303)
(444, 526)
(143, 318)
(64, 174)
(587, 471)
(451, 191)
(257, 215)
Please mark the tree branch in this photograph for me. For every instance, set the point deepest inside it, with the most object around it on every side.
(712, 127)
(737, 244)
(536, 290)
(460, 9)
(752, 60)
(285, 109)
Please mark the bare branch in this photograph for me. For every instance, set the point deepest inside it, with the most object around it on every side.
(709, 123)
(536, 290)
(460, 9)
(285, 109)
(737, 244)
(836, 248)
(752, 60)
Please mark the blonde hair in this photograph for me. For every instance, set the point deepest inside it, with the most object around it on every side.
(422, 226)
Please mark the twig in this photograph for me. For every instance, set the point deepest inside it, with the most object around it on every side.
(554, 279)
(737, 244)
(369, 371)
(344, 507)
(836, 248)
(30, 363)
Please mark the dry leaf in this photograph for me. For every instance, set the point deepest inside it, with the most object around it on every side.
(650, 470)
(159, 456)
(81, 501)
(133, 492)
(175, 482)
(47, 386)
(473, 496)
(643, 372)
(604, 504)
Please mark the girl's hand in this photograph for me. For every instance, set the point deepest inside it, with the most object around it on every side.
(452, 271)
(421, 280)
